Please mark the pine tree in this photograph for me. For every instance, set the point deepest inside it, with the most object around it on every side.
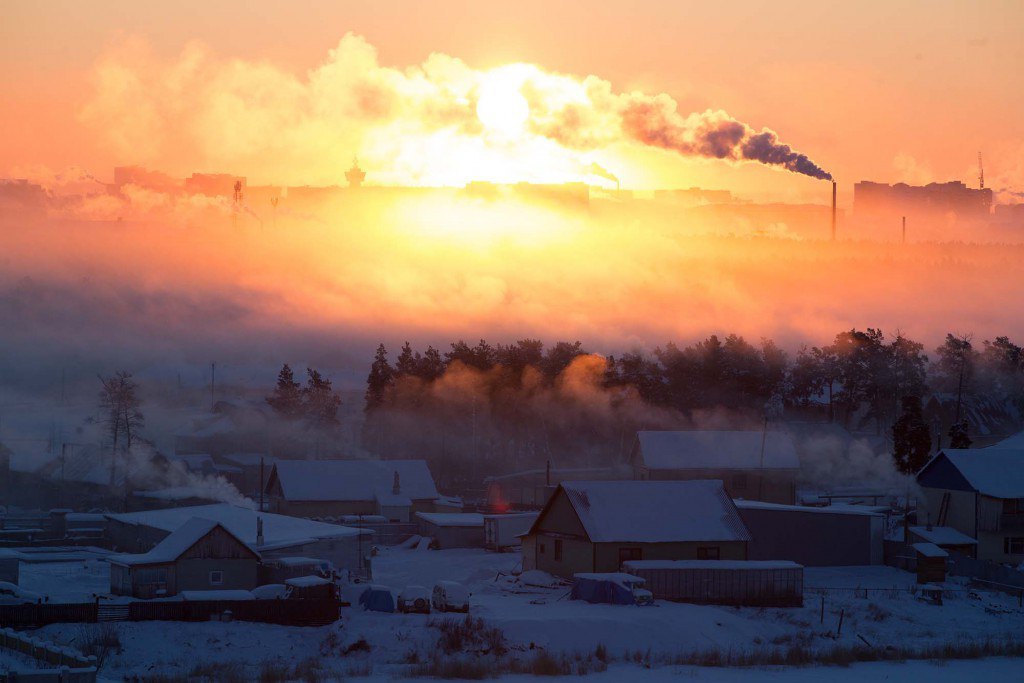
(379, 381)
(912, 440)
(405, 364)
(958, 435)
(320, 403)
(287, 397)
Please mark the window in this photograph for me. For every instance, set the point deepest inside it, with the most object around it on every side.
(628, 554)
(1013, 545)
(708, 553)
(739, 482)
(558, 551)
(216, 578)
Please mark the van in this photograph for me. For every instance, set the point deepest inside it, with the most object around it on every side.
(449, 596)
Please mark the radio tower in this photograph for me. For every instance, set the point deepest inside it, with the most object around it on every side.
(981, 173)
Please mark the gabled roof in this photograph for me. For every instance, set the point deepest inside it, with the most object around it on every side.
(653, 511)
(687, 450)
(352, 480)
(178, 543)
(995, 472)
(279, 531)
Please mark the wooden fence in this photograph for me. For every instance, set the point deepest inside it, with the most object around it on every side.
(284, 612)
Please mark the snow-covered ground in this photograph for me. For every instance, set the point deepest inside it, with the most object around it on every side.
(544, 619)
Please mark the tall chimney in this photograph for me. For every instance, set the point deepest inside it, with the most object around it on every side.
(833, 210)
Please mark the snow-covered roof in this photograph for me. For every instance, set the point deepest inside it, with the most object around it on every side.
(730, 450)
(175, 545)
(1015, 441)
(615, 577)
(307, 581)
(930, 550)
(995, 472)
(279, 531)
(353, 480)
(655, 511)
(710, 564)
(828, 509)
(942, 535)
(469, 519)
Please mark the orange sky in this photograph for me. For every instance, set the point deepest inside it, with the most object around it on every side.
(888, 91)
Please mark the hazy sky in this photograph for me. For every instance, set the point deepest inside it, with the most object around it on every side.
(888, 91)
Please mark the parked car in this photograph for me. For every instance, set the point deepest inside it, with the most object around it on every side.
(414, 599)
(13, 594)
(449, 596)
(271, 591)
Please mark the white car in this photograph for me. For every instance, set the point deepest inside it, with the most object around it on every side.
(449, 596)
(13, 594)
(414, 599)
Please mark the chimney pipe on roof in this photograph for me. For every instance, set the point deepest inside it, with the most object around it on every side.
(396, 488)
(259, 532)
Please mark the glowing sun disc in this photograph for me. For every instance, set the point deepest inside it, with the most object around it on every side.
(501, 107)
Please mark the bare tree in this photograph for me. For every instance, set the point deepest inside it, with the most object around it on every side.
(119, 412)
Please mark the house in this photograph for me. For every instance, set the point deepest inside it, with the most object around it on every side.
(271, 535)
(452, 529)
(200, 555)
(595, 526)
(807, 535)
(395, 489)
(754, 465)
(979, 493)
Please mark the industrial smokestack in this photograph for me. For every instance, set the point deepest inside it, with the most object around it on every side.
(834, 210)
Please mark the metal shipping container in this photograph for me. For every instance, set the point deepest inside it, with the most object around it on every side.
(723, 582)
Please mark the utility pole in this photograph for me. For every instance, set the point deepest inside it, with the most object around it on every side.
(904, 230)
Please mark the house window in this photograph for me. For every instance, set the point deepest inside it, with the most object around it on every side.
(708, 553)
(628, 554)
(216, 578)
(1013, 545)
(558, 551)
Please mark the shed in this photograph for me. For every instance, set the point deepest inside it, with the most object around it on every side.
(931, 563)
(723, 582)
(505, 531)
(946, 537)
(10, 565)
(452, 529)
(807, 535)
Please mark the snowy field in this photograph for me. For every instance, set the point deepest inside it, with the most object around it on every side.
(543, 620)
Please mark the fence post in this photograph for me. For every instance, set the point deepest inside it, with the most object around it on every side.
(839, 630)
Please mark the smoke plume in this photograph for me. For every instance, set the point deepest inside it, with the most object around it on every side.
(421, 123)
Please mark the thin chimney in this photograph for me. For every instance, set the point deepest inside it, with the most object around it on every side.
(833, 210)
(259, 532)
(396, 488)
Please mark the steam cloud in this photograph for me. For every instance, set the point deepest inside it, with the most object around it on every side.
(418, 123)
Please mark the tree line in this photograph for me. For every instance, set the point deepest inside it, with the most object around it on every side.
(861, 377)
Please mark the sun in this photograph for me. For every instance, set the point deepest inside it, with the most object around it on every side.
(501, 107)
